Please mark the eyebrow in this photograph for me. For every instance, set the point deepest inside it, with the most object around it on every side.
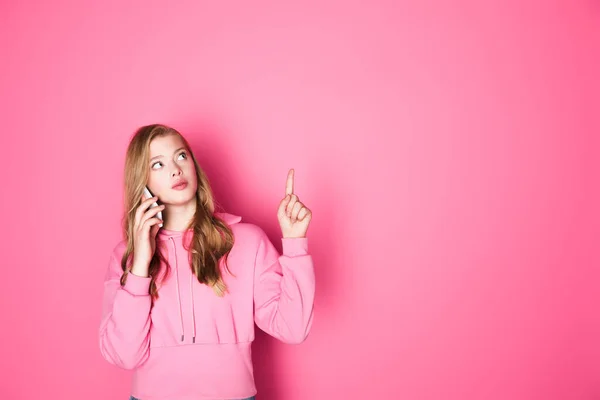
(160, 155)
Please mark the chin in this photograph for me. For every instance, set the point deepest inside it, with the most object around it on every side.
(180, 199)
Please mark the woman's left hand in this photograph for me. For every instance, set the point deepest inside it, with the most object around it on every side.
(293, 216)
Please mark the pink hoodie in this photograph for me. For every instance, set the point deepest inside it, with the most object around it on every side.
(192, 344)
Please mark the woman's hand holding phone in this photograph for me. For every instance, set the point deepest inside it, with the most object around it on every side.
(146, 226)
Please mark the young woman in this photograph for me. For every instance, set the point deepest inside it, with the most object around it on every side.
(182, 294)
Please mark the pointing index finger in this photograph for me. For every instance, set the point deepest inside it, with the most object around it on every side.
(289, 187)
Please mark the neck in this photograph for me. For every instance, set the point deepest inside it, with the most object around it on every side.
(177, 217)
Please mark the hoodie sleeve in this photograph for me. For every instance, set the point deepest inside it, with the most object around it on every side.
(125, 324)
(284, 289)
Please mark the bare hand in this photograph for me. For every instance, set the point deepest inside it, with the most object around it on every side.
(146, 227)
(293, 216)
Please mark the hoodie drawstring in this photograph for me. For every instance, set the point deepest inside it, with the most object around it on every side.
(193, 312)
(179, 297)
(178, 294)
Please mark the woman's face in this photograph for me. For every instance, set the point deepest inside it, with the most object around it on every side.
(170, 164)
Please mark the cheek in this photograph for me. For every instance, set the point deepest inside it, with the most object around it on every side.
(158, 184)
(191, 173)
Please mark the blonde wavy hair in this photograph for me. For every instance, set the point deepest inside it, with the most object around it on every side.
(211, 239)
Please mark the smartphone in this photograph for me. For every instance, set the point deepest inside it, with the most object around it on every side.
(155, 204)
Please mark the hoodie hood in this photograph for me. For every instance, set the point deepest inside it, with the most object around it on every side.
(230, 219)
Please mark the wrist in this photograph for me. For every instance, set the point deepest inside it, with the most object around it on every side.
(140, 269)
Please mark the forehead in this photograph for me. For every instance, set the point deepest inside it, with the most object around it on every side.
(165, 145)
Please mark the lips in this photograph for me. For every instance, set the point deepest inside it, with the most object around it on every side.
(180, 185)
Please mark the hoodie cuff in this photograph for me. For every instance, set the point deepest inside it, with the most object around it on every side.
(137, 285)
(294, 246)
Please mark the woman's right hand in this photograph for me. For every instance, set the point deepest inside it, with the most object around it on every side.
(146, 227)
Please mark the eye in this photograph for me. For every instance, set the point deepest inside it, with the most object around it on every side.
(158, 162)
(182, 154)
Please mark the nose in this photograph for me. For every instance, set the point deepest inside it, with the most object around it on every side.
(176, 171)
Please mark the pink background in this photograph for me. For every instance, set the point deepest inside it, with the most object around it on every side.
(448, 150)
